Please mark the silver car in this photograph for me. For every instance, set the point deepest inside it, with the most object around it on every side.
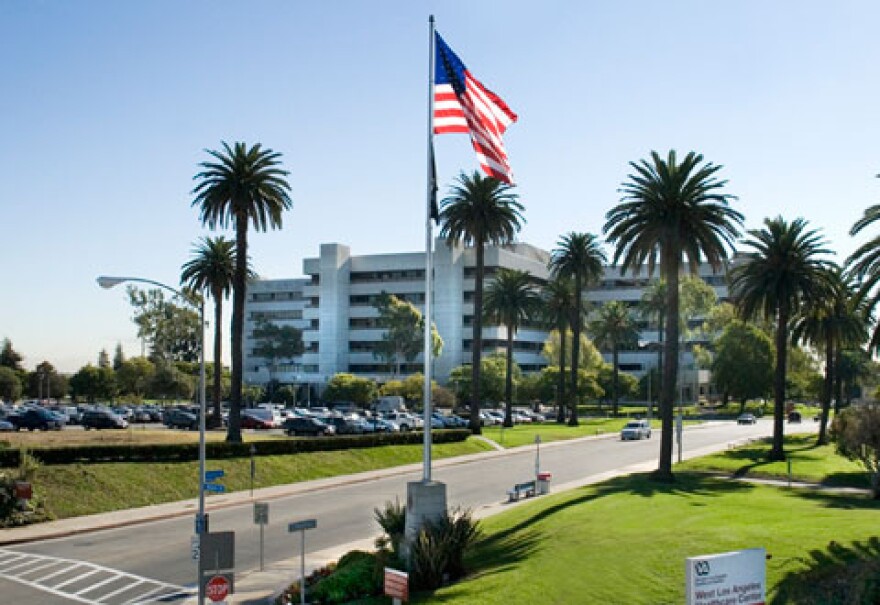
(636, 429)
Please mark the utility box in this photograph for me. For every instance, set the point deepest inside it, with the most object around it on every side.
(544, 483)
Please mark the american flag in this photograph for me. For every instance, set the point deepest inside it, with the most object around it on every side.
(463, 104)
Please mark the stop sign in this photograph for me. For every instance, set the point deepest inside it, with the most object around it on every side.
(217, 588)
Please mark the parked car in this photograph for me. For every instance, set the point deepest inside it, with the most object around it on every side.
(179, 419)
(102, 419)
(258, 419)
(794, 417)
(747, 419)
(404, 420)
(307, 426)
(636, 429)
(342, 426)
(36, 419)
(5, 425)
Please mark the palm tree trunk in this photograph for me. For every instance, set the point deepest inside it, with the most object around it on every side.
(477, 338)
(615, 377)
(827, 390)
(560, 392)
(575, 350)
(838, 381)
(670, 259)
(218, 352)
(777, 452)
(239, 290)
(508, 380)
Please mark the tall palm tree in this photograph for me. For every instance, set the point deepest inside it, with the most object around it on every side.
(512, 300)
(835, 321)
(671, 210)
(784, 270)
(578, 256)
(479, 211)
(613, 328)
(212, 269)
(864, 266)
(238, 187)
(558, 311)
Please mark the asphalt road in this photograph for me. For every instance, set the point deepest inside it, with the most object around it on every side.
(161, 550)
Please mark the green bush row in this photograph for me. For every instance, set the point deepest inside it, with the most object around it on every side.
(178, 452)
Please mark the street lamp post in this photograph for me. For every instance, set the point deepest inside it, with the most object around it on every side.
(201, 522)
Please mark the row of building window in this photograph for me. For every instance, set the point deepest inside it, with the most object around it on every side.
(276, 296)
(364, 277)
(361, 300)
(279, 315)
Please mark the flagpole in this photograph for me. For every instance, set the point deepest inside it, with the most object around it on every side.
(429, 280)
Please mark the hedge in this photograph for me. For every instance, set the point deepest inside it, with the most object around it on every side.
(179, 452)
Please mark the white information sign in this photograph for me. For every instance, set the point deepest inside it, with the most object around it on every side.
(730, 578)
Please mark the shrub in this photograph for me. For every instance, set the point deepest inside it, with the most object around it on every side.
(856, 432)
(438, 553)
(356, 576)
(392, 520)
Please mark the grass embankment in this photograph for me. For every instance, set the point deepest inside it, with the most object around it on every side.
(133, 434)
(626, 540)
(80, 489)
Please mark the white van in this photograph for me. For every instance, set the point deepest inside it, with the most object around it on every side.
(390, 403)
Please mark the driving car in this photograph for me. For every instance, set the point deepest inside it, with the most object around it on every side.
(636, 429)
(746, 419)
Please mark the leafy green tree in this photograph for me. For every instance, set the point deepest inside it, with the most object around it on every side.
(671, 210)
(404, 327)
(118, 357)
(614, 328)
(45, 382)
(477, 212)
(784, 270)
(286, 395)
(348, 387)
(492, 374)
(838, 319)
(10, 385)
(653, 305)
(578, 257)
(743, 364)
(511, 300)
(93, 383)
(853, 365)
(558, 309)
(276, 343)
(856, 432)
(9, 357)
(135, 376)
(241, 186)
(172, 329)
(168, 382)
(211, 269)
(803, 380)
(556, 350)
(610, 379)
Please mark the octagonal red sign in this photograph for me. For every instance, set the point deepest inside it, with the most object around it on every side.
(217, 588)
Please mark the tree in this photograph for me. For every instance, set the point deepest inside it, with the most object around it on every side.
(653, 304)
(511, 300)
(609, 378)
(856, 432)
(118, 357)
(578, 257)
(348, 387)
(172, 329)
(170, 382)
(93, 383)
(277, 343)
(477, 212)
(404, 327)
(211, 269)
(672, 210)
(864, 266)
(10, 385)
(743, 363)
(492, 374)
(613, 329)
(9, 357)
(558, 309)
(135, 376)
(783, 271)
(557, 351)
(241, 186)
(838, 319)
(103, 359)
(45, 382)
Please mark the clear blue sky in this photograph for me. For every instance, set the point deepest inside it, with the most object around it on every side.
(107, 108)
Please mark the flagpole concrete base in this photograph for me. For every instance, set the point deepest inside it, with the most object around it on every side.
(425, 501)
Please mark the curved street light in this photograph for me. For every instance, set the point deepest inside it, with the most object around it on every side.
(108, 282)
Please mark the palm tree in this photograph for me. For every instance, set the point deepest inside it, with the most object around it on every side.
(670, 210)
(614, 328)
(783, 271)
(864, 266)
(835, 321)
(558, 311)
(511, 300)
(212, 269)
(239, 186)
(580, 258)
(479, 211)
(653, 304)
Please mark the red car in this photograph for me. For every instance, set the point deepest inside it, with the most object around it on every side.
(257, 419)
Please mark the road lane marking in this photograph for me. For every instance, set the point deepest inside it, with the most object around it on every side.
(142, 590)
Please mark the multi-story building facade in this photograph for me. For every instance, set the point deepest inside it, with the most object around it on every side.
(334, 306)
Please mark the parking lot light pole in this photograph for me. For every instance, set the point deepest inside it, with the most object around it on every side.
(108, 282)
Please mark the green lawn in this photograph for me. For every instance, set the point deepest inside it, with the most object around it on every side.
(524, 434)
(81, 489)
(808, 463)
(626, 541)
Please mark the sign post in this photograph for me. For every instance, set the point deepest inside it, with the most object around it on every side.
(301, 527)
(261, 518)
(732, 577)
